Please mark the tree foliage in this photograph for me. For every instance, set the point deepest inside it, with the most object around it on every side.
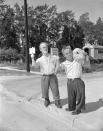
(46, 24)
(8, 30)
(93, 32)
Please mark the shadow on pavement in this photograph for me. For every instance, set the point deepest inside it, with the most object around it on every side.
(93, 106)
(63, 101)
(90, 107)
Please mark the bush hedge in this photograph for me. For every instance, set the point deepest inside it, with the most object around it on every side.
(10, 55)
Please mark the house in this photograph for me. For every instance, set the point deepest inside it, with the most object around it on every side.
(95, 51)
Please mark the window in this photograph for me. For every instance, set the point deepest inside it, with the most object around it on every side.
(100, 51)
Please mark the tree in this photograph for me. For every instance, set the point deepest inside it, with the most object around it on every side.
(42, 29)
(98, 31)
(87, 27)
(3, 8)
(8, 30)
(73, 36)
(45, 24)
(99, 21)
(84, 18)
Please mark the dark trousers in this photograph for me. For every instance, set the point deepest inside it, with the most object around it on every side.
(52, 82)
(76, 94)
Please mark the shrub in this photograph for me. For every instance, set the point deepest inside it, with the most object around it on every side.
(10, 55)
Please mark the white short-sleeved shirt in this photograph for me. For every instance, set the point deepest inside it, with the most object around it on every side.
(47, 64)
(72, 69)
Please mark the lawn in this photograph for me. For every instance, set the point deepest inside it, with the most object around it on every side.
(94, 67)
(18, 66)
(6, 72)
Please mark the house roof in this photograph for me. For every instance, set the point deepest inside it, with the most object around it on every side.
(88, 45)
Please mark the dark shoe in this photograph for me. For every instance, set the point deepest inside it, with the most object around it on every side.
(58, 104)
(67, 109)
(76, 112)
(47, 102)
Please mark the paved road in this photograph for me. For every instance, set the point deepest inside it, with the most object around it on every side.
(18, 114)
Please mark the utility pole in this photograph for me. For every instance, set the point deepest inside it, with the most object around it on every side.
(26, 37)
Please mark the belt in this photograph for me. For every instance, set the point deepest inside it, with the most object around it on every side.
(48, 74)
(73, 78)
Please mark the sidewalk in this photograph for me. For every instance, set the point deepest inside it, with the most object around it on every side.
(38, 73)
(89, 120)
(12, 68)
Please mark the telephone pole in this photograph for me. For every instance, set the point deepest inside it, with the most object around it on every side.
(26, 37)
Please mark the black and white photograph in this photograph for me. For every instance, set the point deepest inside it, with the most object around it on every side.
(51, 65)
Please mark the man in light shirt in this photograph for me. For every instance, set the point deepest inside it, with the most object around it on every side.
(75, 85)
(48, 66)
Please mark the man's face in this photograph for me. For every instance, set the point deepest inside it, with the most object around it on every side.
(68, 54)
(44, 48)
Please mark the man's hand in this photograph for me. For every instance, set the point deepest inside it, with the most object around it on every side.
(77, 59)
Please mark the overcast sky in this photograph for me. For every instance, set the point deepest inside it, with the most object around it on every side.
(94, 7)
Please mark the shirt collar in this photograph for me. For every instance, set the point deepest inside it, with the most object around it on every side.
(67, 61)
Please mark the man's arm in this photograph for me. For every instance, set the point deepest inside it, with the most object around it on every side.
(36, 64)
(61, 67)
(57, 65)
(80, 58)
